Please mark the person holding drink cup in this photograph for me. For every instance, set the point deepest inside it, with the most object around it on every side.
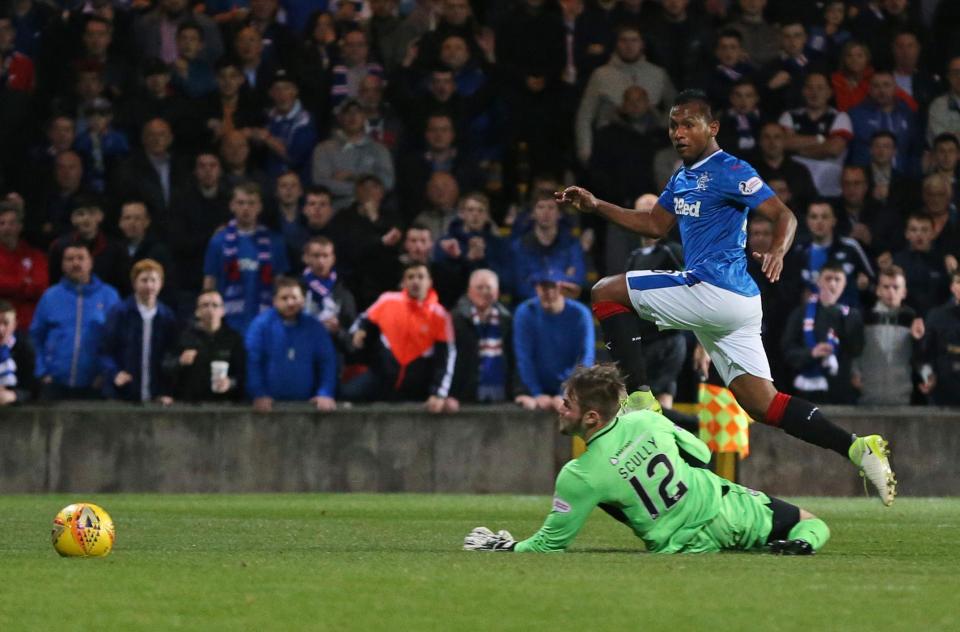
(210, 360)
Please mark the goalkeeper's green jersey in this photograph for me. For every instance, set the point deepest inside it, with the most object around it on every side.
(634, 469)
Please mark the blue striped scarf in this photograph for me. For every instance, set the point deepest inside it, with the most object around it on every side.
(8, 368)
(492, 382)
(814, 375)
(339, 89)
(233, 300)
(319, 294)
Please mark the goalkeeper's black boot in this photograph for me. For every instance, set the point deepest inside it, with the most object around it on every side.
(790, 547)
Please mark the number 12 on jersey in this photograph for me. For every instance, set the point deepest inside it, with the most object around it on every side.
(669, 499)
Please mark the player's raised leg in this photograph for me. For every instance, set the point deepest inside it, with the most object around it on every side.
(801, 419)
(621, 329)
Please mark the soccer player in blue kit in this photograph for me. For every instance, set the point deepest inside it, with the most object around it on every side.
(710, 196)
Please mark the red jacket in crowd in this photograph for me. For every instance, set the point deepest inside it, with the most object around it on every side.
(23, 278)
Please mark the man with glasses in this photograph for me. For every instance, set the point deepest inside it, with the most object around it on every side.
(208, 342)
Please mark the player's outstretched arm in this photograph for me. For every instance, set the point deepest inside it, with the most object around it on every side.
(656, 222)
(784, 229)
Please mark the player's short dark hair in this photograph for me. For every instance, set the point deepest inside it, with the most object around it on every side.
(884, 133)
(5, 305)
(946, 137)
(920, 216)
(283, 282)
(599, 387)
(694, 95)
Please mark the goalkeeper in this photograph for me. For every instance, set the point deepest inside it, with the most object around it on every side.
(652, 476)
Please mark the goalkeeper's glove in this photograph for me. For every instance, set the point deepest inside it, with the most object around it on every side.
(483, 539)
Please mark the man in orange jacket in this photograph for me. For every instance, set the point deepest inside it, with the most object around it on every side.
(416, 352)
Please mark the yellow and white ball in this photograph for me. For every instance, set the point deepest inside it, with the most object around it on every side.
(83, 530)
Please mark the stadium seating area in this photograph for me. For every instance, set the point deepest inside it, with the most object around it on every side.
(168, 166)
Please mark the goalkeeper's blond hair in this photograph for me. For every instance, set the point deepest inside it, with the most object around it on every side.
(599, 387)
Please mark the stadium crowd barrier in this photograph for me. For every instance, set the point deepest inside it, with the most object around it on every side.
(109, 447)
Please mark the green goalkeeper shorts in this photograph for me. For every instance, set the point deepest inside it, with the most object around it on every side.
(744, 522)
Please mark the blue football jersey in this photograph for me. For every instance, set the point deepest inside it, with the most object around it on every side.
(711, 200)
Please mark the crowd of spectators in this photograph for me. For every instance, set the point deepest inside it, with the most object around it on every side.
(352, 200)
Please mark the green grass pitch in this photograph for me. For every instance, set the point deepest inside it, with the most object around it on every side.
(393, 562)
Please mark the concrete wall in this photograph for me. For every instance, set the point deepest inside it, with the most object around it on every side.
(115, 448)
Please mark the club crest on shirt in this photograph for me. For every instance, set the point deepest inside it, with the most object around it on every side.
(702, 181)
(750, 186)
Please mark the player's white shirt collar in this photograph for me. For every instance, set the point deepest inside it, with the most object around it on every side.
(701, 163)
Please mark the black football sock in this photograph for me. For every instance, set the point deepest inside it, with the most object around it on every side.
(690, 423)
(621, 331)
(804, 421)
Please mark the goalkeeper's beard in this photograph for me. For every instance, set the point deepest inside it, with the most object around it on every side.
(571, 430)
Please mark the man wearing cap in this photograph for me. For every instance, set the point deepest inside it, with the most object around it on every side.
(551, 336)
(100, 145)
(348, 154)
(290, 133)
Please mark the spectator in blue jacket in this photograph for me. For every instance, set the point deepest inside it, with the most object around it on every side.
(551, 336)
(545, 248)
(290, 133)
(884, 111)
(138, 333)
(243, 259)
(67, 328)
(290, 356)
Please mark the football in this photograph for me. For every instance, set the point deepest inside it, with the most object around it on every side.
(83, 530)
